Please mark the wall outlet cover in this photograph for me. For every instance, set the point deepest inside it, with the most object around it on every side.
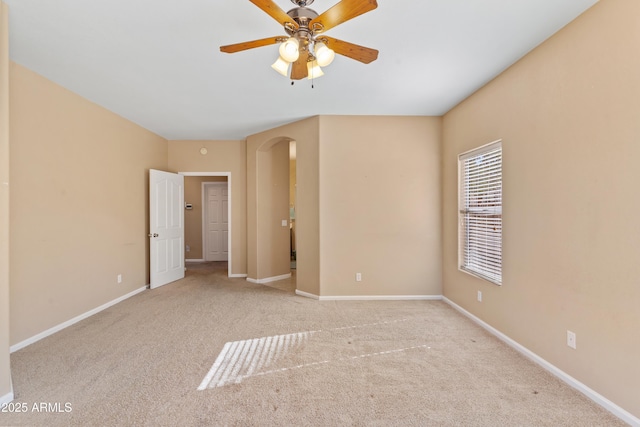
(571, 339)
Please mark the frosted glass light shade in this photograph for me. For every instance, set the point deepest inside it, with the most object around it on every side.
(314, 70)
(324, 55)
(281, 66)
(289, 50)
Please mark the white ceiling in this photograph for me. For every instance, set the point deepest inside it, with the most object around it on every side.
(157, 62)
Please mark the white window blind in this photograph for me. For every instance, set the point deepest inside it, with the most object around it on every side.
(480, 206)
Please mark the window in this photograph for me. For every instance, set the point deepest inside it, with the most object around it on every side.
(480, 212)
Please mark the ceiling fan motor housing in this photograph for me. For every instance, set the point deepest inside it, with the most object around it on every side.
(302, 3)
(303, 16)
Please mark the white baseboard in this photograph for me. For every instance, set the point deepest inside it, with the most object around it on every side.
(382, 298)
(568, 379)
(76, 319)
(269, 279)
(194, 260)
(307, 294)
(6, 398)
(238, 275)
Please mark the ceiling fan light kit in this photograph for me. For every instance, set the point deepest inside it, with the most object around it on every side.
(281, 66)
(313, 70)
(290, 50)
(306, 49)
(324, 55)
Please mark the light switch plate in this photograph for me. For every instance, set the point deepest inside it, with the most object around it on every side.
(285, 222)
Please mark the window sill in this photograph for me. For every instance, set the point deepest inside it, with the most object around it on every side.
(479, 276)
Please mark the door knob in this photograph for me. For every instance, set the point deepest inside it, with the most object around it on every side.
(153, 235)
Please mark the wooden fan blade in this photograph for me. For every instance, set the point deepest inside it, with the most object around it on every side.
(299, 68)
(233, 48)
(342, 12)
(353, 51)
(274, 11)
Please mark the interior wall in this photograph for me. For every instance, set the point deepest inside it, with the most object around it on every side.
(193, 217)
(72, 235)
(273, 208)
(568, 115)
(380, 205)
(5, 371)
(305, 133)
(222, 156)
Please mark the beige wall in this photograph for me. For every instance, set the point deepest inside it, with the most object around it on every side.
(380, 205)
(193, 217)
(5, 372)
(377, 211)
(305, 133)
(79, 204)
(569, 117)
(222, 156)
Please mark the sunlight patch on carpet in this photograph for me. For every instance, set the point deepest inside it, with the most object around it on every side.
(243, 359)
(240, 359)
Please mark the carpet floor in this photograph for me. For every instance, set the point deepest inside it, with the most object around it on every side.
(213, 351)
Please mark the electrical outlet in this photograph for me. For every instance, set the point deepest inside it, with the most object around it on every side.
(188, 248)
(119, 278)
(571, 339)
(358, 277)
(480, 296)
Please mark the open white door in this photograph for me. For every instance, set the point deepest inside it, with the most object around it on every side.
(166, 227)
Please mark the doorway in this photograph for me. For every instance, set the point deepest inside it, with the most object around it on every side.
(293, 188)
(195, 204)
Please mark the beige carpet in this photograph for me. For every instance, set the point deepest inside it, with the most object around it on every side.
(213, 351)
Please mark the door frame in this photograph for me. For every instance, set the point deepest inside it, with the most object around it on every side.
(205, 210)
(229, 211)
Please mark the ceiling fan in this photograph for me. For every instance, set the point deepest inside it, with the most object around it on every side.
(306, 47)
